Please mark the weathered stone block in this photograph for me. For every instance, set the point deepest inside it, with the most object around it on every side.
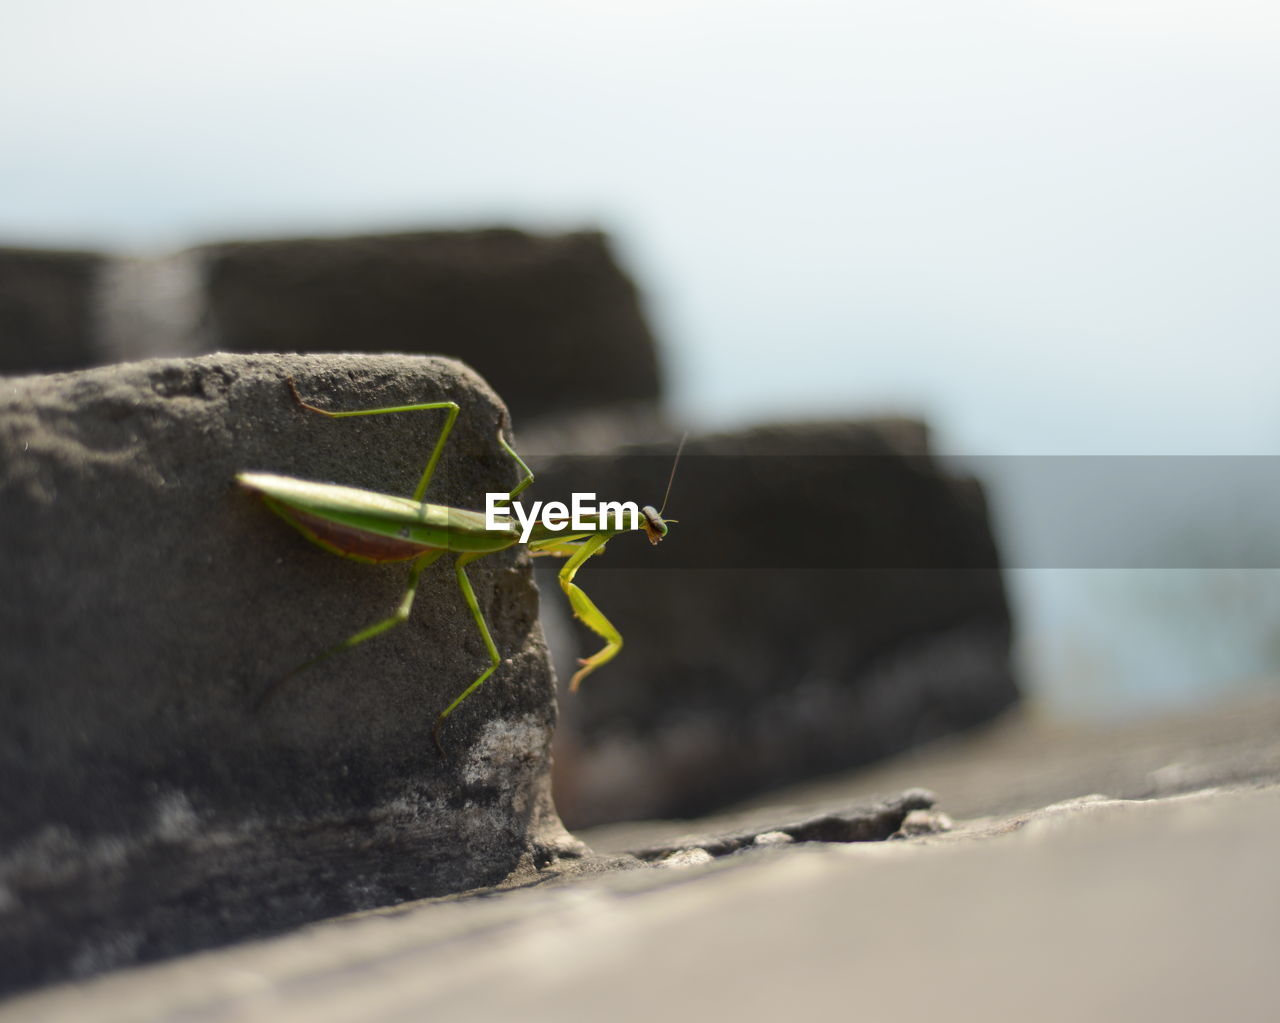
(47, 310)
(145, 808)
(551, 322)
(830, 595)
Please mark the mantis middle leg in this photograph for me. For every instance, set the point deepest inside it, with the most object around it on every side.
(495, 659)
(400, 614)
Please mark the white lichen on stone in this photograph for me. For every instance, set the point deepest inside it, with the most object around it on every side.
(686, 858)
(773, 838)
(925, 822)
(175, 820)
(502, 747)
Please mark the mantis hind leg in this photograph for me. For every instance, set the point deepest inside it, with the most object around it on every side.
(400, 614)
(469, 595)
(452, 406)
(586, 611)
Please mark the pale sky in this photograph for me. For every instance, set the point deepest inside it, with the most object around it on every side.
(1052, 226)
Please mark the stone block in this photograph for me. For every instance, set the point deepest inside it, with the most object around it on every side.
(48, 310)
(145, 807)
(830, 595)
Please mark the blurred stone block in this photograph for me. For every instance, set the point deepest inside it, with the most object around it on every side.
(47, 310)
(831, 594)
(146, 808)
(551, 322)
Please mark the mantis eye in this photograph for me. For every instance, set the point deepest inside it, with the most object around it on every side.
(654, 525)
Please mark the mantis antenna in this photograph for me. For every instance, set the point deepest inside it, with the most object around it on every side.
(672, 478)
(654, 524)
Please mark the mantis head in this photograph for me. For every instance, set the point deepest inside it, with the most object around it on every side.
(654, 524)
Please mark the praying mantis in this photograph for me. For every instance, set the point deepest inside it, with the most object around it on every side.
(375, 528)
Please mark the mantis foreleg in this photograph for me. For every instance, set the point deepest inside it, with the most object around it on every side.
(555, 548)
(452, 406)
(586, 611)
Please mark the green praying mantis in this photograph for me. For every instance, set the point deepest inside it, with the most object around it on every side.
(377, 528)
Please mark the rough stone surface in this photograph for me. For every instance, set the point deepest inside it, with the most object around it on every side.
(145, 809)
(830, 595)
(47, 310)
(551, 322)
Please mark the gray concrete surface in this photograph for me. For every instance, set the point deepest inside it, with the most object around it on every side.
(1164, 909)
